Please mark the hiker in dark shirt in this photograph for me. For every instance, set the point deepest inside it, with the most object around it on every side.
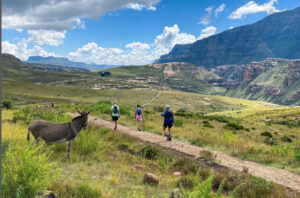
(168, 122)
(115, 114)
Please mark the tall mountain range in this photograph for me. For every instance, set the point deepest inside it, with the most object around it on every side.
(59, 61)
(277, 35)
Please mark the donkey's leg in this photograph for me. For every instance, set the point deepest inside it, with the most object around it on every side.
(36, 140)
(69, 149)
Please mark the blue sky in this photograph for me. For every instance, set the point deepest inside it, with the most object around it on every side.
(122, 32)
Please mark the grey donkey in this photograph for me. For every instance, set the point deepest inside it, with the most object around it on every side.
(53, 133)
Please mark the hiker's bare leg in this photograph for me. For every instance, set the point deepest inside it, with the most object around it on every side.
(170, 134)
(164, 129)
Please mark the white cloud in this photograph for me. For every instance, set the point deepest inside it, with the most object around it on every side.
(135, 53)
(22, 51)
(231, 27)
(205, 20)
(251, 8)
(219, 9)
(62, 15)
(171, 36)
(46, 37)
(207, 32)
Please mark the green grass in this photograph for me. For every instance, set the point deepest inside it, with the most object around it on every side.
(103, 165)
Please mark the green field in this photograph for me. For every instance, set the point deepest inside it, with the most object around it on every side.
(103, 161)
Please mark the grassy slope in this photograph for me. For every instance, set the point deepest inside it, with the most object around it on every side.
(103, 161)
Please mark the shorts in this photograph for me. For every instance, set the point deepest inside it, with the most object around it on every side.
(114, 118)
(168, 125)
(139, 118)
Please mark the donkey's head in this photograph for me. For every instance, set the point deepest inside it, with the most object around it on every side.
(83, 117)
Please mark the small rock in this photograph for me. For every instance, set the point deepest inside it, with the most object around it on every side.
(176, 194)
(150, 178)
(138, 167)
(177, 173)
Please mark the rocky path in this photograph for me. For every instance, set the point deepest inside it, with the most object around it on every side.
(279, 176)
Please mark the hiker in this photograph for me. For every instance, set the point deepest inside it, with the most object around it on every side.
(139, 116)
(115, 114)
(168, 122)
(46, 105)
(52, 104)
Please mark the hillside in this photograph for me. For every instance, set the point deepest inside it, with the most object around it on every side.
(276, 35)
(49, 67)
(65, 62)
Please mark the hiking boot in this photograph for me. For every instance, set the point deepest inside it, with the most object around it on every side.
(140, 129)
(169, 138)
(115, 128)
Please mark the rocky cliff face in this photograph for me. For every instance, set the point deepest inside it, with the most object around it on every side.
(293, 72)
(254, 69)
(230, 72)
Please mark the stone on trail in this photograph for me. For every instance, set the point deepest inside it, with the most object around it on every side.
(150, 178)
(177, 173)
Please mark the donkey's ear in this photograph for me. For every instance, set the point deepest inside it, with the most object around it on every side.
(78, 110)
(89, 112)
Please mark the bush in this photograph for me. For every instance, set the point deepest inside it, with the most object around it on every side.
(270, 141)
(267, 134)
(234, 126)
(26, 172)
(87, 142)
(297, 154)
(207, 124)
(185, 166)
(178, 122)
(6, 104)
(149, 152)
(286, 139)
(85, 191)
(185, 182)
(4, 147)
(218, 118)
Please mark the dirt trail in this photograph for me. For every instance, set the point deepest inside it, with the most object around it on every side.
(144, 105)
(279, 176)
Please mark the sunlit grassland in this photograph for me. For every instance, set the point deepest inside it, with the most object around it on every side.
(103, 163)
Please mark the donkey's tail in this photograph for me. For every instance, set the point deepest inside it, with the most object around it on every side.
(28, 135)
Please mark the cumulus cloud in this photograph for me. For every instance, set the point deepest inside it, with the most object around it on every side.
(205, 20)
(207, 32)
(22, 51)
(46, 37)
(231, 27)
(62, 15)
(135, 53)
(251, 8)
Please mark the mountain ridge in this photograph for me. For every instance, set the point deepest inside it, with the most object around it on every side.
(276, 35)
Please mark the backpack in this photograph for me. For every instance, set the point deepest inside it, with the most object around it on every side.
(138, 111)
(168, 115)
(115, 110)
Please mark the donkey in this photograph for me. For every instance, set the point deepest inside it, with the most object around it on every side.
(53, 133)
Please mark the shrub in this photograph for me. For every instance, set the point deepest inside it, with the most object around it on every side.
(178, 122)
(207, 124)
(149, 152)
(185, 166)
(26, 172)
(267, 134)
(234, 126)
(4, 147)
(87, 143)
(257, 187)
(286, 139)
(85, 191)
(297, 154)
(207, 155)
(270, 141)
(185, 182)
(218, 118)
(6, 104)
